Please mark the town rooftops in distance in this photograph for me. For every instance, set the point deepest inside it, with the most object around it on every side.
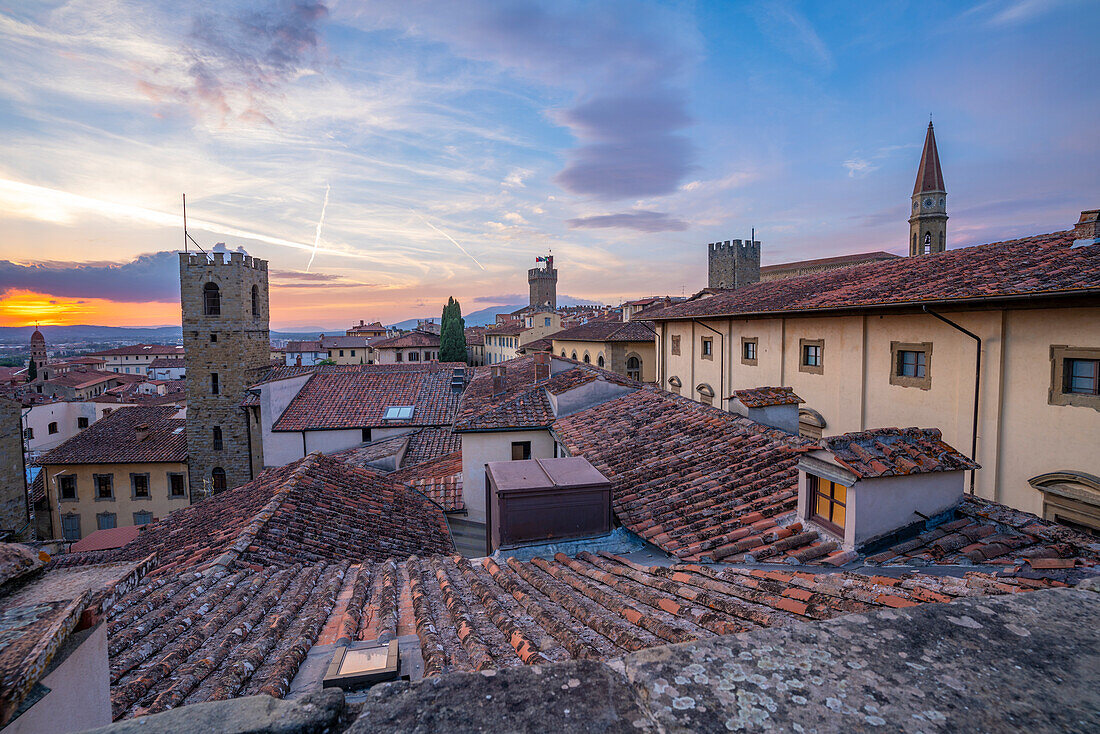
(405, 341)
(157, 349)
(599, 330)
(1041, 266)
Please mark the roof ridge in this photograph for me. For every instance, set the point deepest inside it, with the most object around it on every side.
(260, 519)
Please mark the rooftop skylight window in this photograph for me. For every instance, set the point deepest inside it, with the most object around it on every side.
(398, 413)
(357, 667)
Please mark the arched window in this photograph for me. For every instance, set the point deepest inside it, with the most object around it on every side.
(706, 393)
(255, 301)
(599, 361)
(217, 479)
(810, 423)
(574, 356)
(634, 367)
(563, 352)
(675, 383)
(587, 359)
(211, 300)
(927, 242)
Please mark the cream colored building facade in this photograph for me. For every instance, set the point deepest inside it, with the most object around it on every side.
(1026, 426)
(87, 497)
(637, 360)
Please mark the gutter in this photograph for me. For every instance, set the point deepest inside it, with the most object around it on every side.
(721, 364)
(977, 384)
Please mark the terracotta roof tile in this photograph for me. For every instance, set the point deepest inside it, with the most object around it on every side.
(404, 341)
(761, 397)
(607, 331)
(1037, 265)
(115, 439)
(887, 452)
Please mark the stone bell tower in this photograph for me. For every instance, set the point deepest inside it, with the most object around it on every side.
(928, 224)
(225, 335)
(544, 284)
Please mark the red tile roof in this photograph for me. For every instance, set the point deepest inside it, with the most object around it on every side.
(692, 479)
(163, 362)
(431, 443)
(80, 378)
(607, 331)
(440, 480)
(106, 539)
(358, 399)
(888, 452)
(114, 439)
(139, 349)
(1042, 265)
(405, 341)
(762, 397)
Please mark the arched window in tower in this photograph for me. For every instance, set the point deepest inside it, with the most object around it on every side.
(255, 300)
(599, 361)
(211, 299)
(927, 242)
(634, 368)
(587, 359)
(217, 479)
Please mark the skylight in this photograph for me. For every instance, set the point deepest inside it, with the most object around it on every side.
(398, 413)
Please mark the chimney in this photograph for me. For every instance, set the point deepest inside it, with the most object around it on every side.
(141, 431)
(542, 367)
(1087, 230)
(499, 382)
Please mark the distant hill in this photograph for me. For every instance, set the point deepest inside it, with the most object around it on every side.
(489, 315)
(85, 333)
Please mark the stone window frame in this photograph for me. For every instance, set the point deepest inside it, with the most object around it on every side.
(675, 345)
(143, 512)
(100, 516)
(923, 383)
(95, 487)
(51, 428)
(755, 342)
(76, 488)
(706, 348)
(183, 482)
(82, 422)
(675, 383)
(524, 448)
(1070, 498)
(706, 393)
(813, 369)
(628, 369)
(148, 486)
(1057, 395)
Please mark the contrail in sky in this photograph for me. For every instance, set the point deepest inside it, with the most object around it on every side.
(452, 239)
(320, 223)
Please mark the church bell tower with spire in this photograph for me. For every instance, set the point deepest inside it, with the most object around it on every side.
(928, 223)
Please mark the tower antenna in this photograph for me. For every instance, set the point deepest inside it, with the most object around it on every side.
(186, 236)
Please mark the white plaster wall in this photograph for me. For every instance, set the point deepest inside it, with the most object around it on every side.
(478, 449)
(880, 506)
(39, 417)
(80, 693)
(328, 442)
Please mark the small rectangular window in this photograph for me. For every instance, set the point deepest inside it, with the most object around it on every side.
(414, 356)
(215, 387)
(106, 520)
(366, 435)
(143, 518)
(217, 438)
(911, 365)
(140, 485)
(811, 356)
(748, 350)
(1082, 376)
(341, 352)
(398, 357)
(51, 428)
(104, 486)
(353, 352)
(521, 450)
(213, 337)
(81, 423)
(708, 348)
(66, 487)
(828, 503)
(175, 485)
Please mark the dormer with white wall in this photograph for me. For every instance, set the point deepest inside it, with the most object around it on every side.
(773, 406)
(866, 486)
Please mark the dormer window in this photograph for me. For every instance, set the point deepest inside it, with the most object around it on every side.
(828, 503)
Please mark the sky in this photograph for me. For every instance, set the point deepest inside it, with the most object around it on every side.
(386, 155)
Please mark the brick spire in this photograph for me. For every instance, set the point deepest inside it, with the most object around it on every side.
(929, 175)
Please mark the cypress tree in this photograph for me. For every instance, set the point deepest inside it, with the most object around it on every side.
(32, 370)
(452, 333)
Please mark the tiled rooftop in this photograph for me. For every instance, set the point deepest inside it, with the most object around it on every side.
(405, 341)
(439, 479)
(694, 480)
(1039, 265)
(139, 349)
(607, 331)
(114, 439)
(78, 379)
(317, 509)
(359, 398)
(431, 443)
(853, 259)
(888, 452)
(762, 397)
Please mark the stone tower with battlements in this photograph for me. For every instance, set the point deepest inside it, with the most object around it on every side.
(544, 284)
(733, 263)
(928, 223)
(225, 334)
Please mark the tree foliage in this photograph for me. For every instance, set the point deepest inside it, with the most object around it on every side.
(32, 370)
(452, 333)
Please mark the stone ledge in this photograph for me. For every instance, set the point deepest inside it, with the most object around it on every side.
(318, 713)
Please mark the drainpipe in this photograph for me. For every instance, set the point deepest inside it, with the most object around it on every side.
(721, 365)
(977, 384)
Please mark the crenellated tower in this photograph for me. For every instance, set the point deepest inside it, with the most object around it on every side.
(225, 334)
(544, 284)
(733, 263)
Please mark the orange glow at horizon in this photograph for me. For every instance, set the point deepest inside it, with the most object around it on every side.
(25, 308)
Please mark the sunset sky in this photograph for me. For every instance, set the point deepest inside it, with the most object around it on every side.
(455, 141)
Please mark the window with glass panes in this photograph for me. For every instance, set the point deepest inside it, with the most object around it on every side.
(811, 355)
(827, 503)
(912, 363)
(1082, 376)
